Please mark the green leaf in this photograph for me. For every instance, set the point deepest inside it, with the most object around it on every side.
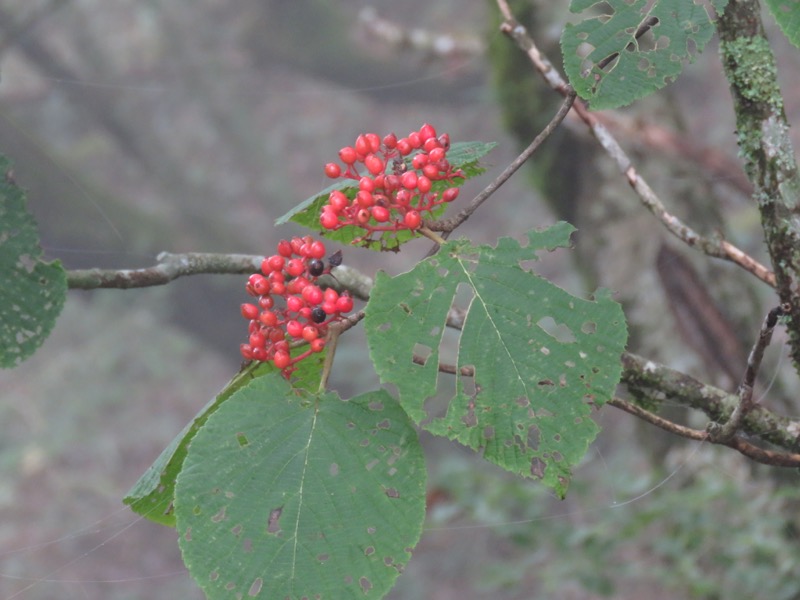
(286, 494)
(32, 291)
(462, 155)
(152, 496)
(787, 15)
(637, 68)
(541, 358)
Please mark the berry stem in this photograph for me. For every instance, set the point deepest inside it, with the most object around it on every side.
(432, 235)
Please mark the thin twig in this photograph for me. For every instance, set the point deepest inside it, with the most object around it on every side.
(724, 433)
(711, 247)
(448, 225)
(762, 455)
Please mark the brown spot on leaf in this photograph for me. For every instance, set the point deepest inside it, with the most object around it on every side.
(538, 467)
(273, 523)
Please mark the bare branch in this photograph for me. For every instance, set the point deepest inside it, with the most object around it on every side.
(724, 433)
(448, 225)
(169, 267)
(762, 455)
(712, 247)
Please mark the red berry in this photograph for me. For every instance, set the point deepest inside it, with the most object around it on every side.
(296, 267)
(278, 288)
(338, 201)
(404, 147)
(249, 311)
(381, 214)
(297, 243)
(444, 141)
(268, 318)
(374, 164)
(366, 184)
(415, 140)
(374, 141)
(294, 304)
(431, 171)
(450, 194)
(436, 155)
(275, 262)
(310, 333)
(259, 354)
(312, 294)
(419, 161)
(284, 248)
(259, 284)
(412, 219)
(348, 155)
(297, 284)
(328, 219)
(365, 199)
(277, 337)
(266, 302)
(409, 180)
(246, 351)
(344, 304)
(331, 295)
(430, 144)
(362, 145)
(333, 170)
(328, 308)
(316, 250)
(362, 216)
(317, 345)
(282, 360)
(423, 184)
(257, 339)
(403, 198)
(294, 328)
(426, 131)
(390, 141)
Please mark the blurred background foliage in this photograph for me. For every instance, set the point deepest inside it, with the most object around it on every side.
(139, 127)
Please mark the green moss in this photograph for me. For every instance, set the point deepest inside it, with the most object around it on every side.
(752, 70)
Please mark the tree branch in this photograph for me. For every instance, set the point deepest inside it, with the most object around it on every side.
(169, 267)
(766, 149)
(712, 247)
(762, 455)
(654, 383)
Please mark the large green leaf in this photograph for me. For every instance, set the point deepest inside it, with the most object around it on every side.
(289, 495)
(633, 70)
(540, 357)
(32, 291)
(152, 496)
(787, 14)
(462, 155)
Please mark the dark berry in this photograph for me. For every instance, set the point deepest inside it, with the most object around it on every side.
(315, 267)
(318, 315)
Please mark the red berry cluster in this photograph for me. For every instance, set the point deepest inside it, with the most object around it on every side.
(305, 311)
(393, 198)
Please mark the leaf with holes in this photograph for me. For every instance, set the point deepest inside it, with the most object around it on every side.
(462, 155)
(152, 496)
(628, 49)
(787, 15)
(32, 291)
(287, 494)
(532, 359)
